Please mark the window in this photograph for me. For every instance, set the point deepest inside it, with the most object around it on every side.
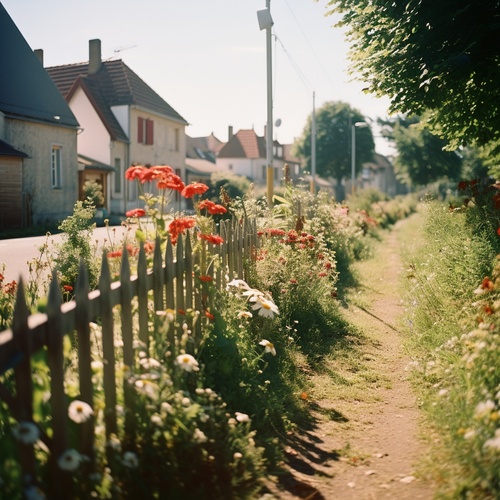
(118, 176)
(176, 138)
(145, 131)
(55, 168)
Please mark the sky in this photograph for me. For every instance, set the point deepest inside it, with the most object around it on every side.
(207, 58)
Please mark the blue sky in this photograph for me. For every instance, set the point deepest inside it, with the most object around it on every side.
(207, 58)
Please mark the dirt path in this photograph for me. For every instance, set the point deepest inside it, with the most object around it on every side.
(366, 444)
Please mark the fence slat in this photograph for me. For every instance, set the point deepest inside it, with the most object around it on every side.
(82, 326)
(58, 398)
(142, 296)
(24, 384)
(158, 277)
(108, 349)
(128, 350)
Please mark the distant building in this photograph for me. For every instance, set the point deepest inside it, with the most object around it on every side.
(245, 154)
(123, 122)
(38, 138)
(380, 174)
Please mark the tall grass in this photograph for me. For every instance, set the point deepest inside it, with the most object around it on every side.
(452, 337)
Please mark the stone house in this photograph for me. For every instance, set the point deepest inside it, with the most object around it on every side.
(38, 138)
(123, 122)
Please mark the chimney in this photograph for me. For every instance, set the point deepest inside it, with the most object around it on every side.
(229, 132)
(95, 61)
(39, 55)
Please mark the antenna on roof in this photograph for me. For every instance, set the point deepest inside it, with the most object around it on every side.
(121, 49)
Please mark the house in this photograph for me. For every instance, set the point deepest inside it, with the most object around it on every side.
(38, 138)
(245, 154)
(123, 122)
(201, 155)
(379, 174)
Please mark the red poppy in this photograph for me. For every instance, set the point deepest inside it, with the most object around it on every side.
(67, 288)
(206, 279)
(211, 207)
(10, 288)
(134, 172)
(194, 188)
(115, 254)
(136, 212)
(178, 226)
(212, 238)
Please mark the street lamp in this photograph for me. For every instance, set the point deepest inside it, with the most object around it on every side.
(353, 152)
(266, 23)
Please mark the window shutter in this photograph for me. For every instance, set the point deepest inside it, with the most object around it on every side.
(149, 131)
(140, 130)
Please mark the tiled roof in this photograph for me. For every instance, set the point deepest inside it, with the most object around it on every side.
(26, 91)
(115, 84)
(244, 144)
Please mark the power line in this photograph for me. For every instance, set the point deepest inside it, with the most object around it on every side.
(309, 43)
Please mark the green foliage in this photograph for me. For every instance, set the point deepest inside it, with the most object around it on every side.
(76, 245)
(421, 157)
(452, 315)
(234, 185)
(92, 191)
(334, 121)
(431, 59)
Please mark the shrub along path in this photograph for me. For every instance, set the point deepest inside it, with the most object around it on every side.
(366, 442)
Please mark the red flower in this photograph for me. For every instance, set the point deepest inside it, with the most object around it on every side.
(212, 238)
(136, 212)
(2, 277)
(178, 226)
(294, 281)
(10, 288)
(169, 180)
(115, 254)
(181, 311)
(194, 188)
(328, 265)
(209, 315)
(134, 172)
(149, 247)
(67, 288)
(487, 284)
(322, 274)
(498, 231)
(211, 207)
(206, 279)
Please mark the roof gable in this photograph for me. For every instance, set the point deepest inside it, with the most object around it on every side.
(244, 144)
(117, 84)
(26, 90)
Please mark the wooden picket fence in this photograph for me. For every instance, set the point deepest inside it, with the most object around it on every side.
(171, 283)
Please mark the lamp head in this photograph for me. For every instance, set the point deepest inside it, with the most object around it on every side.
(265, 19)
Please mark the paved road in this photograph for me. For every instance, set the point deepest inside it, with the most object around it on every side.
(17, 253)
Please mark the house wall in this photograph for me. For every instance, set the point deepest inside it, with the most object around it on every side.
(36, 140)
(11, 185)
(94, 140)
(166, 149)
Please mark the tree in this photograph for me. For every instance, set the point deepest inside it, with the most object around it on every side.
(421, 158)
(437, 59)
(334, 122)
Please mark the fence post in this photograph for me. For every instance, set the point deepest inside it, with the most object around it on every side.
(61, 479)
(108, 349)
(24, 383)
(142, 296)
(128, 350)
(82, 320)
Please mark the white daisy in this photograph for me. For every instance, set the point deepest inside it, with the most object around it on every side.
(79, 411)
(265, 307)
(269, 346)
(26, 432)
(69, 460)
(187, 362)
